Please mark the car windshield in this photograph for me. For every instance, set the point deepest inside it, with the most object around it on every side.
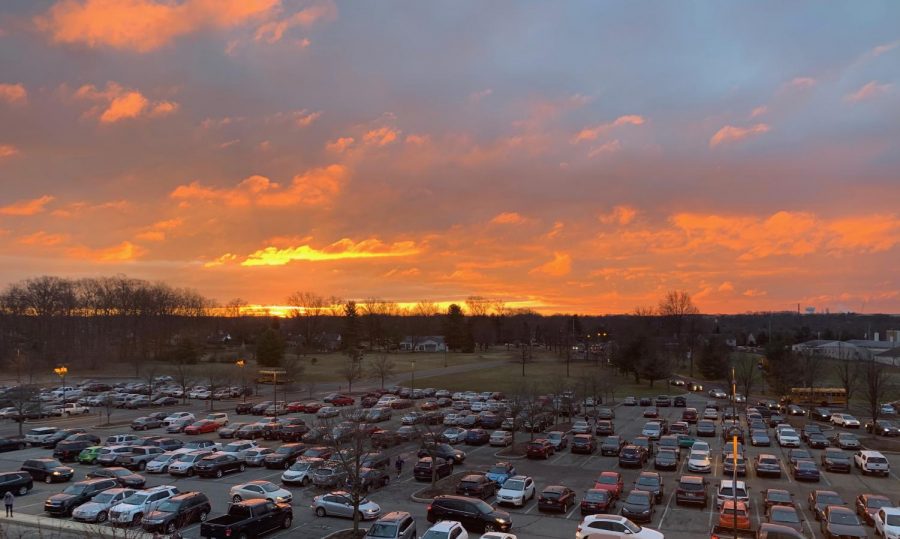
(843, 517)
(726, 492)
(136, 499)
(483, 507)
(269, 487)
(829, 499)
(168, 507)
(103, 497)
(691, 486)
(54, 464)
(779, 496)
(189, 458)
(381, 529)
(637, 498)
(300, 466)
(648, 481)
(893, 520)
(550, 494)
(784, 515)
(876, 503)
(596, 496)
(435, 534)
(514, 484)
(74, 489)
(163, 458)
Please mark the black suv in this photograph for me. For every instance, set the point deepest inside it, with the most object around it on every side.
(445, 451)
(19, 483)
(821, 414)
(47, 470)
(218, 465)
(177, 512)
(284, 456)
(422, 469)
(68, 450)
(65, 502)
(632, 456)
(679, 402)
(473, 514)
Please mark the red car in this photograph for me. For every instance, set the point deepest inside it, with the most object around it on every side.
(611, 481)
(342, 400)
(201, 427)
(312, 407)
(540, 448)
(296, 407)
(429, 405)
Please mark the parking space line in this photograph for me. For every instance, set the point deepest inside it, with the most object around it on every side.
(825, 478)
(666, 510)
(530, 509)
(588, 460)
(806, 519)
(572, 511)
(561, 455)
(787, 473)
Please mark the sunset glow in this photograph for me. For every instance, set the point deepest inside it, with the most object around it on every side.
(577, 157)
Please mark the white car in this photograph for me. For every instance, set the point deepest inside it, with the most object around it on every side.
(787, 438)
(516, 490)
(301, 472)
(710, 413)
(239, 448)
(260, 490)
(178, 416)
(39, 435)
(581, 427)
(699, 462)
(184, 464)
(614, 526)
(219, 417)
(97, 510)
(887, 522)
(133, 508)
(455, 435)
(160, 464)
(501, 437)
(886, 409)
(652, 430)
(725, 492)
(845, 420)
(700, 445)
(446, 529)
(497, 535)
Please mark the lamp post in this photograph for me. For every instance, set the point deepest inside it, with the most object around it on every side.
(412, 384)
(62, 371)
(241, 364)
(274, 373)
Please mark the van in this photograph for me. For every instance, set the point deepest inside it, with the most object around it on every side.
(121, 439)
(871, 462)
(726, 492)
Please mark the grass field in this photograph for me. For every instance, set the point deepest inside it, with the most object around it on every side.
(327, 367)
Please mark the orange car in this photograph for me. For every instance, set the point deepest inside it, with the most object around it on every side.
(201, 427)
(611, 482)
(729, 518)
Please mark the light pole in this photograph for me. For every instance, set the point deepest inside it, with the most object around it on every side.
(62, 371)
(412, 384)
(274, 373)
(241, 364)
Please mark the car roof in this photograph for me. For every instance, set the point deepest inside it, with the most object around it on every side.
(445, 525)
(554, 488)
(394, 516)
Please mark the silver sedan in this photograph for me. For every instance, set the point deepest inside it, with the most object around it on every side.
(340, 504)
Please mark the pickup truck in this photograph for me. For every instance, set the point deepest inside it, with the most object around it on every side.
(72, 408)
(247, 519)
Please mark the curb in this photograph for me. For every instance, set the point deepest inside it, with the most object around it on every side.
(509, 457)
(419, 499)
(335, 534)
(63, 526)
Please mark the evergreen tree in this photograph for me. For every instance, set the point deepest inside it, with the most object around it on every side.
(350, 336)
(270, 348)
(713, 360)
(455, 328)
(185, 352)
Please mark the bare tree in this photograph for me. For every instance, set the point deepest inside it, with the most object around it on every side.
(310, 310)
(351, 371)
(848, 372)
(746, 372)
(877, 384)
(351, 442)
(23, 399)
(382, 366)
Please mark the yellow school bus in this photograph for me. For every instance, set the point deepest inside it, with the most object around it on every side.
(819, 396)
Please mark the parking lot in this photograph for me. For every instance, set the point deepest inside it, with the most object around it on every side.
(574, 471)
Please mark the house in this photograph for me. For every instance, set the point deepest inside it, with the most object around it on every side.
(833, 349)
(427, 343)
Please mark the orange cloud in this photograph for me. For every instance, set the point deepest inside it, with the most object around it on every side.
(27, 207)
(396, 272)
(313, 188)
(731, 133)
(122, 103)
(417, 140)
(157, 231)
(726, 286)
(340, 145)
(8, 150)
(783, 233)
(759, 111)
(42, 238)
(224, 259)
(14, 94)
(593, 133)
(122, 252)
(873, 233)
(559, 266)
(869, 90)
(381, 136)
(78, 208)
(621, 215)
(143, 25)
(340, 250)
(508, 218)
(754, 293)
(273, 31)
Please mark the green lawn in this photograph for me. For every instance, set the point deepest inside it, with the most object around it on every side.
(326, 367)
(547, 375)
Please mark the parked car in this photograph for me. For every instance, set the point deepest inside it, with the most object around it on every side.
(869, 504)
(818, 500)
(500, 472)
(638, 506)
(122, 476)
(259, 490)
(422, 471)
(516, 491)
(217, 465)
(340, 504)
(301, 472)
(692, 489)
(584, 443)
(556, 498)
(133, 508)
(651, 482)
(47, 470)
(473, 514)
(477, 486)
(250, 518)
(395, 525)
(97, 509)
(841, 523)
(144, 423)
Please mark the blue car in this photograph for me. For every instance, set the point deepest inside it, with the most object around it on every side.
(760, 438)
(500, 472)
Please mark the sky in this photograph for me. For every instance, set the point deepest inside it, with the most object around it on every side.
(560, 156)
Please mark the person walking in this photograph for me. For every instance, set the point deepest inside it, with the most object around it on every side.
(399, 465)
(8, 499)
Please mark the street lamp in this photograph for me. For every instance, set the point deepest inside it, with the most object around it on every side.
(412, 385)
(62, 371)
(274, 373)
(241, 364)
